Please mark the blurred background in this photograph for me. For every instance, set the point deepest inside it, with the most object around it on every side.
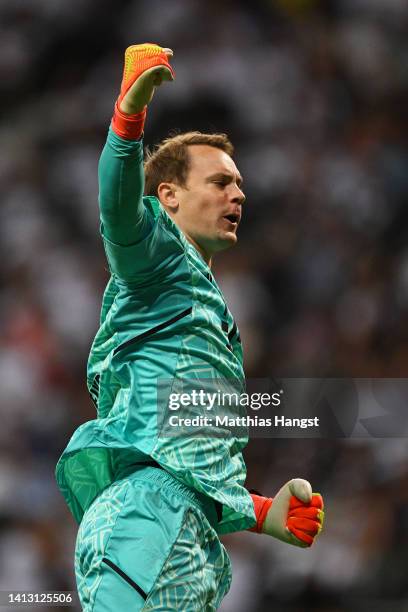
(314, 95)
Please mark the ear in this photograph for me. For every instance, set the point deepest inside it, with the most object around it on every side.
(167, 194)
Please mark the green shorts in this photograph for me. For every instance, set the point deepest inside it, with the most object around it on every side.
(148, 543)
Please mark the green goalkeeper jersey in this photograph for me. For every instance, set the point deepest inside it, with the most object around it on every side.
(163, 317)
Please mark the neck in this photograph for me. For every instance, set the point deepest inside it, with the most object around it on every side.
(207, 258)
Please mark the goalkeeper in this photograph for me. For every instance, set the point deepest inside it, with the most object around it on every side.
(151, 508)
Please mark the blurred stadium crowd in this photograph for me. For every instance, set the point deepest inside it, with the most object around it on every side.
(314, 96)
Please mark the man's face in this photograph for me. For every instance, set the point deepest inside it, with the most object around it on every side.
(210, 205)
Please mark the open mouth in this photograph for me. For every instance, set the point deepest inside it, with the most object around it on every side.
(232, 218)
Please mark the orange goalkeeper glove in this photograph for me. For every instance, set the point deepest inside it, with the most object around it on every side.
(295, 515)
(146, 67)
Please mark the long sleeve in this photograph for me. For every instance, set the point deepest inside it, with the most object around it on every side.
(121, 183)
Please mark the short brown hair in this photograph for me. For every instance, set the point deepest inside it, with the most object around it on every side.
(170, 161)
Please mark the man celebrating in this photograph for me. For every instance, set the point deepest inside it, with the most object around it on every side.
(151, 507)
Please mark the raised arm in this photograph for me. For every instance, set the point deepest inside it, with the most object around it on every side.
(121, 177)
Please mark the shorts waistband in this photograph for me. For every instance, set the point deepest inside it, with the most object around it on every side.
(155, 474)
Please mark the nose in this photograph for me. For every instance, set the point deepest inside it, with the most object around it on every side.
(238, 196)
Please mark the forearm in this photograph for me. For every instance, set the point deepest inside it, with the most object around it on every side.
(121, 177)
(261, 509)
(121, 184)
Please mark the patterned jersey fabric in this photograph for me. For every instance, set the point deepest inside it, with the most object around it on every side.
(163, 317)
